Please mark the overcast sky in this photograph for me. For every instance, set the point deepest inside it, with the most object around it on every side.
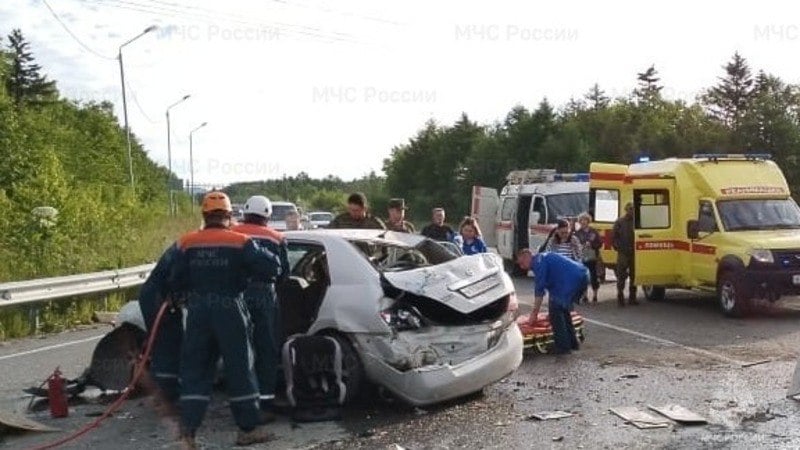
(331, 87)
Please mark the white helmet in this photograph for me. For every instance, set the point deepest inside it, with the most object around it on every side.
(258, 205)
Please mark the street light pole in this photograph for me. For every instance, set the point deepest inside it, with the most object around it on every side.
(124, 99)
(169, 156)
(191, 162)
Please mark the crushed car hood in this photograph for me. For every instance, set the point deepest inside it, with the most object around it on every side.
(465, 284)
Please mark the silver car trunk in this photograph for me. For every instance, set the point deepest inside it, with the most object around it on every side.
(465, 284)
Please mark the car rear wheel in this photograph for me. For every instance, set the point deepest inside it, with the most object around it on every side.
(732, 294)
(654, 293)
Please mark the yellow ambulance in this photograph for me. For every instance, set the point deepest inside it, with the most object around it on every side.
(716, 222)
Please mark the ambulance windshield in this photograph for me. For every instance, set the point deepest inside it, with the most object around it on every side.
(566, 205)
(759, 214)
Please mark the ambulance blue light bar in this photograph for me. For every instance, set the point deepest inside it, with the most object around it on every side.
(571, 177)
(718, 156)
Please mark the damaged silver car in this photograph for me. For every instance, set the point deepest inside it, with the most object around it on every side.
(410, 315)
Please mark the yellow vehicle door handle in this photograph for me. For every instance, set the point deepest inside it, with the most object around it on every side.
(645, 236)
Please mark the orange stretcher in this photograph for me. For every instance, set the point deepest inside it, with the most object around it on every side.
(539, 336)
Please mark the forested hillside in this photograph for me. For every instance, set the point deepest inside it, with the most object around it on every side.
(744, 111)
(71, 156)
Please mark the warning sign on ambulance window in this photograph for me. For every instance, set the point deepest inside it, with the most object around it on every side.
(753, 190)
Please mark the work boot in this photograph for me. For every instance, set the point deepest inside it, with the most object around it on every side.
(632, 297)
(594, 297)
(620, 298)
(255, 436)
(187, 442)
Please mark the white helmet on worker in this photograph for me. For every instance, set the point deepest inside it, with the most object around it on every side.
(258, 205)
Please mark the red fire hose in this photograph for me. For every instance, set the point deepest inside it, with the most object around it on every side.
(137, 375)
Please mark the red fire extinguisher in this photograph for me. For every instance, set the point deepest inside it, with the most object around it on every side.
(57, 395)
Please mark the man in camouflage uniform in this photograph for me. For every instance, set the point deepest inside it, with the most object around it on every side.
(397, 213)
(357, 215)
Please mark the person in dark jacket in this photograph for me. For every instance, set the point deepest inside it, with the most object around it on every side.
(397, 217)
(565, 280)
(261, 299)
(624, 243)
(212, 267)
(437, 229)
(591, 244)
(357, 215)
(165, 355)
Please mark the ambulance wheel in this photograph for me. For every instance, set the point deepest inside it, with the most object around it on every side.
(732, 294)
(352, 369)
(654, 293)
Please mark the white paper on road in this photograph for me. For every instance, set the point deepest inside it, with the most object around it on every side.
(22, 423)
(639, 418)
(551, 415)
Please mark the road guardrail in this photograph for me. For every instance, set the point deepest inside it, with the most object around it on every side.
(43, 289)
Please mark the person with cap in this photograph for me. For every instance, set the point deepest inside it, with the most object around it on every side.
(397, 215)
(261, 298)
(210, 268)
(623, 242)
(357, 215)
(437, 229)
(565, 280)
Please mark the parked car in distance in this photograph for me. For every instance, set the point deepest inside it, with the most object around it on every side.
(319, 219)
(279, 212)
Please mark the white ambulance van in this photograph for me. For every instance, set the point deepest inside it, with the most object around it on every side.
(527, 208)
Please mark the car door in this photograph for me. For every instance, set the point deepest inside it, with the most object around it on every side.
(655, 232)
(506, 227)
(704, 248)
(485, 203)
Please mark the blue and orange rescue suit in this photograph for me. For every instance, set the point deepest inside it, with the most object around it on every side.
(262, 304)
(164, 364)
(212, 267)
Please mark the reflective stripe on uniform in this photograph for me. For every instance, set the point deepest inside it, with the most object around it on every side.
(266, 397)
(165, 375)
(243, 398)
(196, 398)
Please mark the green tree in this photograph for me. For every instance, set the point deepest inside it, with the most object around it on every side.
(729, 100)
(24, 82)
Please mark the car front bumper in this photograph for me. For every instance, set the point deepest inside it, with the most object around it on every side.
(440, 382)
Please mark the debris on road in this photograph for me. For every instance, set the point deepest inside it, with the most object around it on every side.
(756, 363)
(628, 376)
(549, 415)
(679, 414)
(639, 419)
(19, 422)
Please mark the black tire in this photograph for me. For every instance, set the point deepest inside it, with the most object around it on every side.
(654, 293)
(353, 375)
(732, 294)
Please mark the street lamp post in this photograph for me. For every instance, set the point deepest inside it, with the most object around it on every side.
(124, 99)
(169, 156)
(191, 162)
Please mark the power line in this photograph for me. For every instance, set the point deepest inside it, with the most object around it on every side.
(138, 106)
(63, 25)
(184, 14)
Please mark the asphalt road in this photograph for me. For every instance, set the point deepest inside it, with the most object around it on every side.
(683, 351)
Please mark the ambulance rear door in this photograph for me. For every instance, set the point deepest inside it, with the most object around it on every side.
(485, 203)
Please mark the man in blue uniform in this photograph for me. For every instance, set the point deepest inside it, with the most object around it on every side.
(261, 300)
(565, 280)
(212, 266)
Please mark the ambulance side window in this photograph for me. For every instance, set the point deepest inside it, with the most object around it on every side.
(507, 210)
(605, 204)
(651, 208)
(705, 217)
(539, 207)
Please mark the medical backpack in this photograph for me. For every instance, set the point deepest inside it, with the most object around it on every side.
(312, 367)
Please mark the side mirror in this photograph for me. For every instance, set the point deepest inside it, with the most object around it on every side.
(692, 229)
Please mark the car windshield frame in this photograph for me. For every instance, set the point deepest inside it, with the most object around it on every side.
(758, 214)
(394, 257)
